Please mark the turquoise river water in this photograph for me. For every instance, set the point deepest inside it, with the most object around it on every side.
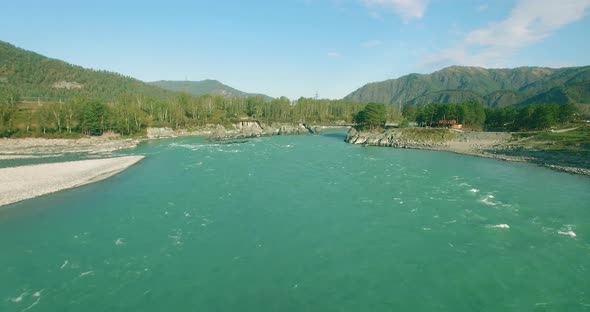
(302, 223)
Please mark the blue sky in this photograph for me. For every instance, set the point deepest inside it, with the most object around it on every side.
(299, 47)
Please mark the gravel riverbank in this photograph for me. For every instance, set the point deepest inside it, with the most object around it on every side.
(497, 145)
(32, 147)
(24, 182)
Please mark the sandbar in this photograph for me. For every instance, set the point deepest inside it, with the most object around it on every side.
(25, 182)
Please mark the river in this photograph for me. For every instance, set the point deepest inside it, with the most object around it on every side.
(302, 223)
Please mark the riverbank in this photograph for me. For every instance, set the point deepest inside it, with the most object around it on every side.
(25, 182)
(33, 148)
(240, 130)
(27, 148)
(497, 145)
(38, 147)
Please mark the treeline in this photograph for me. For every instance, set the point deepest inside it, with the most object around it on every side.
(373, 116)
(432, 115)
(475, 116)
(532, 117)
(131, 114)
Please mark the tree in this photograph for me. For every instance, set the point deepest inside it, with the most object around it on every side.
(93, 114)
(567, 113)
(410, 112)
(7, 111)
(254, 106)
(542, 117)
(44, 117)
(475, 114)
(71, 112)
(57, 112)
(373, 116)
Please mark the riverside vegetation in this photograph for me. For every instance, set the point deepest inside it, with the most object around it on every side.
(565, 147)
(45, 97)
(42, 97)
(132, 114)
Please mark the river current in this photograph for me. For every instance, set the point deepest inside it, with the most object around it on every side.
(302, 223)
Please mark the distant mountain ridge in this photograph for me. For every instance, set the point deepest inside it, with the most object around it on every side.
(492, 87)
(28, 74)
(204, 87)
(32, 75)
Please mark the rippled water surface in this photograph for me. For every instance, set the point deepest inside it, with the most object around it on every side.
(302, 223)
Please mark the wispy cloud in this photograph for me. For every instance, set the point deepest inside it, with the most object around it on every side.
(333, 54)
(407, 9)
(371, 43)
(483, 7)
(529, 22)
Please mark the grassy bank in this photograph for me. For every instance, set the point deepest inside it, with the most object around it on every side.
(428, 134)
(559, 148)
(574, 139)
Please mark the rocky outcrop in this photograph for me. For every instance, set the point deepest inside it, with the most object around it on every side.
(572, 170)
(243, 129)
(401, 138)
(497, 145)
(67, 85)
(248, 129)
(167, 132)
(155, 133)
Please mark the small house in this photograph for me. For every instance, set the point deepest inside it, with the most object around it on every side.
(453, 124)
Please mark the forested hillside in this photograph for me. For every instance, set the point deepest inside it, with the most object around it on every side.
(46, 97)
(40, 96)
(491, 87)
(30, 75)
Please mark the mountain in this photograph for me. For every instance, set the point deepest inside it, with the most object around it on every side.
(492, 87)
(29, 74)
(204, 87)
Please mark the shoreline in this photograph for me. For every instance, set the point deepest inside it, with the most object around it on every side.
(241, 130)
(26, 182)
(36, 148)
(30, 148)
(530, 160)
(493, 145)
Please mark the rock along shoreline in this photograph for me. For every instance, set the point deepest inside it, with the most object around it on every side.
(240, 130)
(28, 148)
(475, 143)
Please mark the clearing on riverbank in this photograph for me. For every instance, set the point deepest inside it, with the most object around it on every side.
(555, 149)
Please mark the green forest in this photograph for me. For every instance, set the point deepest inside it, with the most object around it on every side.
(491, 87)
(131, 114)
(532, 117)
(40, 96)
(470, 114)
(473, 115)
